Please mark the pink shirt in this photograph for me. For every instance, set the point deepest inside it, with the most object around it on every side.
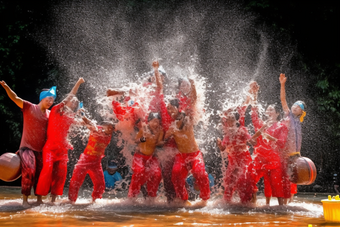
(35, 127)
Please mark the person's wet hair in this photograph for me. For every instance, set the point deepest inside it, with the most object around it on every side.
(107, 123)
(153, 116)
(278, 109)
(174, 102)
(235, 113)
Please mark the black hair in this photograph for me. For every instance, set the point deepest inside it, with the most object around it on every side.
(236, 115)
(277, 109)
(153, 116)
(175, 102)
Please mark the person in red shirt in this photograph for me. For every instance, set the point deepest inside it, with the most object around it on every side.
(33, 137)
(90, 161)
(267, 152)
(239, 174)
(55, 156)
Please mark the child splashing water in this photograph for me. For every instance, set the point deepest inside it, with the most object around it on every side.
(145, 165)
(33, 137)
(166, 155)
(269, 145)
(55, 157)
(90, 161)
(294, 118)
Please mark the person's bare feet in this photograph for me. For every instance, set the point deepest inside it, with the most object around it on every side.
(53, 198)
(180, 203)
(202, 203)
(25, 204)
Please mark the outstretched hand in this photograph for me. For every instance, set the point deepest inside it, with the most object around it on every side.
(81, 80)
(254, 87)
(3, 83)
(283, 78)
(155, 64)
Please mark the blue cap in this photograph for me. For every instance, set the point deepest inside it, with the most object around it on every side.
(111, 164)
(50, 93)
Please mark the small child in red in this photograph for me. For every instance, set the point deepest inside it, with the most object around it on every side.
(90, 161)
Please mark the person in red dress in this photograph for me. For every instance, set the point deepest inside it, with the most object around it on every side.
(55, 151)
(90, 161)
(239, 174)
(33, 137)
(267, 163)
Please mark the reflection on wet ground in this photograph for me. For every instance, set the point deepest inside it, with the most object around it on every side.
(305, 210)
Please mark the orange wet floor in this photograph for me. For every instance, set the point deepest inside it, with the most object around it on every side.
(306, 211)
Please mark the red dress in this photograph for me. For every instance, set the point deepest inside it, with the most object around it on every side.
(239, 174)
(90, 163)
(267, 161)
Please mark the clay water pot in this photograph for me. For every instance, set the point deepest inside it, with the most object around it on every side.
(302, 170)
(10, 168)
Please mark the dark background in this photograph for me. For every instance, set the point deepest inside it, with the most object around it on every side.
(312, 27)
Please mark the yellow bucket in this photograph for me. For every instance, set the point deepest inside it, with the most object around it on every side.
(331, 210)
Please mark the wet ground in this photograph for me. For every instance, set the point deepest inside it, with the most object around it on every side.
(306, 210)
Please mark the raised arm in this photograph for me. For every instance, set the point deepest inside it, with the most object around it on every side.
(112, 92)
(193, 93)
(12, 95)
(89, 124)
(74, 90)
(283, 80)
(155, 65)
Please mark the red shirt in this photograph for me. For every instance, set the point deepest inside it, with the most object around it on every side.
(166, 121)
(98, 142)
(124, 112)
(35, 127)
(278, 130)
(58, 126)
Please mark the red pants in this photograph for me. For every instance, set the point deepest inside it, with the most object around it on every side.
(239, 176)
(31, 165)
(268, 166)
(145, 169)
(87, 164)
(194, 162)
(53, 174)
(166, 158)
(272, 182)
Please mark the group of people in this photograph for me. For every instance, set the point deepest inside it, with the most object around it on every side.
(169, 128)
